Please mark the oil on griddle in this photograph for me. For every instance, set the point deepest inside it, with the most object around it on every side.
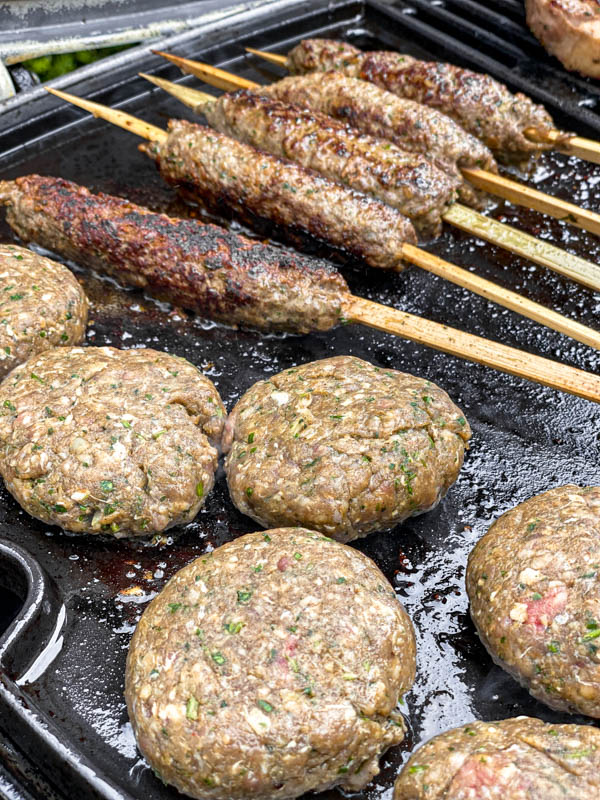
(526, 438)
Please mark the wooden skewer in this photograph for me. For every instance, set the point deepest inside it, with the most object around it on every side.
(586, 149)
(274, 58)
(524, 245)
(410, 253)
(473, 348)
(514, 192)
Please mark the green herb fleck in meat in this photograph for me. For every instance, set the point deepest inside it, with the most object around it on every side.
(191, 708)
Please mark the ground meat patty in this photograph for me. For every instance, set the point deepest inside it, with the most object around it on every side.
(515, 759)
(270, 667)
(99, 440)
(343, 446)
(534, 585)
(41, 306)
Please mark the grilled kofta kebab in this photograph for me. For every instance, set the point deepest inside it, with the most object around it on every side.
(343, 447)
(511, 125)
(226, 172)
(223, 275)
(229, 278)
(41, 306)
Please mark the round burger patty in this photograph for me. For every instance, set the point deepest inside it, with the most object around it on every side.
(343, 447)
(41, 306)
(515, 759)
(99, 440)
(534, 585)
(270, 667)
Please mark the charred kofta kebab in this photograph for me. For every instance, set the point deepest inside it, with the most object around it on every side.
(511, 125)
(235, 280)
(225, 171)
(377, 114)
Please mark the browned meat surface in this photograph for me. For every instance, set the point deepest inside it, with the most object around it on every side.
(514, 759)
(570, 30)
(343, 447)
(41, 306)
(221, 275)
(535, 597)
(481, 105)
(380, 113)
(270, 667)
(99, 440)
(236, 174)
(404, 180)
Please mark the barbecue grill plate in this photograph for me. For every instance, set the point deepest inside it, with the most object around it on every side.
(61, 688)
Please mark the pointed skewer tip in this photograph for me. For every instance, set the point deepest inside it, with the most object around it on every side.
(274, 58)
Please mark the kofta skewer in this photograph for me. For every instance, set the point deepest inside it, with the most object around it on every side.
(230, 172)
(227, 277)
(380, 113)
(368, 165)
(448, 88)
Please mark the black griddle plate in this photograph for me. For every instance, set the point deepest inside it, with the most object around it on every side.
(61, 683)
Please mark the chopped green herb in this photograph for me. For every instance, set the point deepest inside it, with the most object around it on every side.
(234, 627)
(107, 486)
(266, 707)
(191, 708)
